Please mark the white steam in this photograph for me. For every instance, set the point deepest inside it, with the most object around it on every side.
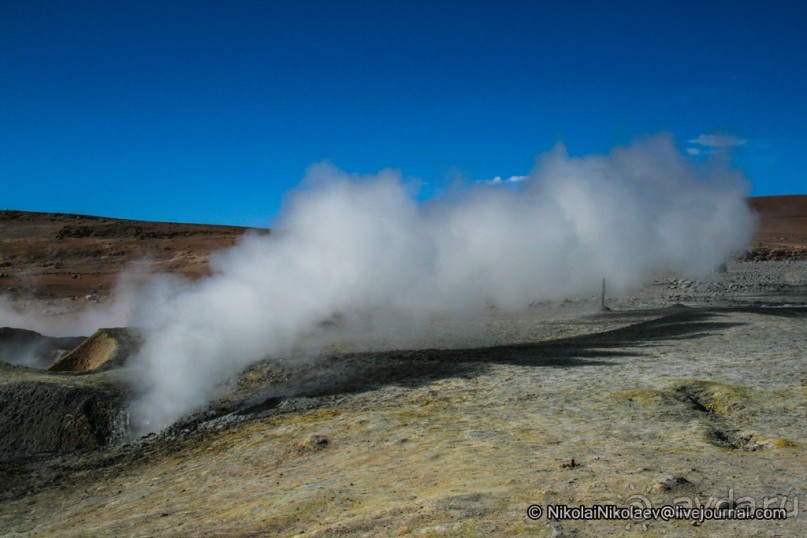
(80, 323)
(362, 248)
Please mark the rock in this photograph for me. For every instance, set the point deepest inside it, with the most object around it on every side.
(669, 482)
(570, 464)
(312, 443)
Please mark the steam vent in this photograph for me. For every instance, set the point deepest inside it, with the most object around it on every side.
(76, 405)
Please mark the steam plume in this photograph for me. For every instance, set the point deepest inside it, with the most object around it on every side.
(363, 248)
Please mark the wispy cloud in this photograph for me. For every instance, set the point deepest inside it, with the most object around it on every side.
(716, 142)
(498, 180)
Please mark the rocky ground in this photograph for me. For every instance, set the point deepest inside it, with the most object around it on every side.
(685, 392)
(782, 227)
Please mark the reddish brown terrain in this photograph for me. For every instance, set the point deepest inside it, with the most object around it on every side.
(782, 231)
(50, 255)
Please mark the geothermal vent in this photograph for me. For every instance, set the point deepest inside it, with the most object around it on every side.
(76, 405)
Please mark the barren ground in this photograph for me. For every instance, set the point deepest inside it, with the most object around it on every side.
(55, 256)
(685, 392)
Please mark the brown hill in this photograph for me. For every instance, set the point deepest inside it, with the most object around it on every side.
(49, 255)
(782, 230)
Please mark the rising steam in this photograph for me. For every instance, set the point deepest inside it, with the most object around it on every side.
(362, 248)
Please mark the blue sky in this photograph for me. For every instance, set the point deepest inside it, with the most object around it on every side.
(200, 111)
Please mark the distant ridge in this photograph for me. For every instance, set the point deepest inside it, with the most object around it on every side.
(782, 227)
(54, 255)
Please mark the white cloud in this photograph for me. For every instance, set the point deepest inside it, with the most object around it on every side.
(717, 141)
(694, 151)
(498, 180)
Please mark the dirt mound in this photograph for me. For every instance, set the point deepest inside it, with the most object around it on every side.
(29, 348)
(51, 413)
(105, 349)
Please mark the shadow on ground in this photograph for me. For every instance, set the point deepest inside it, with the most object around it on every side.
(274, 389)
(360, 372)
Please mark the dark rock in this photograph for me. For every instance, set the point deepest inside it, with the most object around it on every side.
(669, 482)
(58, 417)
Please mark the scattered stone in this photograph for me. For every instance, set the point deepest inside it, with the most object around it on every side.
(570, 465)
(312, 443)
(669, 482)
